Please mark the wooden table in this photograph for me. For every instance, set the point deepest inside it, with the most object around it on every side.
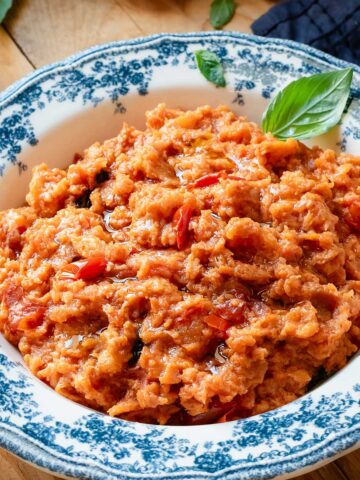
(37, 32)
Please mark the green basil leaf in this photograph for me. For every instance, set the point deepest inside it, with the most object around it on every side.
(221, 12)
(210, 66)
(308, 107)
(4, 7)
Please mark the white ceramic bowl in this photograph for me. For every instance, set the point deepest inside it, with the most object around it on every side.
(63, 108)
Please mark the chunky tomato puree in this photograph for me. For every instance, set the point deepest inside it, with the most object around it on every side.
(197, 271)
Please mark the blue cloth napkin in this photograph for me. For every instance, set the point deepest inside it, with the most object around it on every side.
(330, 25)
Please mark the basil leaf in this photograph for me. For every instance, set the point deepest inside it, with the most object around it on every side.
(4, 7)
(309, 106)
(210, 66)
(221, 12)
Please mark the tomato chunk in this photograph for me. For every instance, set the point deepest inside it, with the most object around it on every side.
(14, 238)
(208, 180)
(233, 311)
(88, 269)
(69, 271)
(182, 218)
(352, 216)
(217, 322)
(23, 313)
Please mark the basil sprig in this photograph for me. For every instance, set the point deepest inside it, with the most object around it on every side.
(210, 66)
(309, 106)
(221, 12)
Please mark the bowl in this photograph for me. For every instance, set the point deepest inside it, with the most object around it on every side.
(63, 108)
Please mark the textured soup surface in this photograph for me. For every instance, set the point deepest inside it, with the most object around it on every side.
(194, 272)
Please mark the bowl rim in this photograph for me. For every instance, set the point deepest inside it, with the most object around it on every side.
(39, 73)
(26, 448)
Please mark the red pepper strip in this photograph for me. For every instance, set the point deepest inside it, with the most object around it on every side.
(213, 178)
(208, 180)
(217, 322)
(88, 269)
(182, 218)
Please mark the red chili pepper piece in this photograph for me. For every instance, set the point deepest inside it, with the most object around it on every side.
(352, 216)
(182, 218)
(21, 229)
(93, 267)
(88, 269)
(208, 180)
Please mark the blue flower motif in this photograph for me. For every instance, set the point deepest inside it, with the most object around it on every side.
(137, 78)
(121, 453)
(151, 455)
(247, 440)
(40, 432)
(94, 423)
(211, 462)
(82, 435)
(324, 421)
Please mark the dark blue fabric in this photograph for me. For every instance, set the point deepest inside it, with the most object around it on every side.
(330, 25)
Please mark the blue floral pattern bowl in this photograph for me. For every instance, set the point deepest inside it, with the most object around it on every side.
(63, 108)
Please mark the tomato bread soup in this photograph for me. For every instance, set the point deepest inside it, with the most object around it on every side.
(198, 271)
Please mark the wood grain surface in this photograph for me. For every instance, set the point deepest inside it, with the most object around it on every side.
(37, 32)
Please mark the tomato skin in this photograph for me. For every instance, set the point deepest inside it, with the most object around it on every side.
(182, 219)
(88, 269)
(208, 180)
